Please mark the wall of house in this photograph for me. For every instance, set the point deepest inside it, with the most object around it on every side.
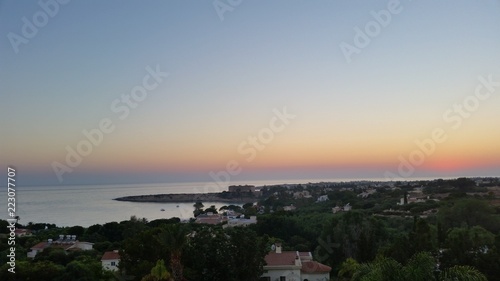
(84, 245)
(315, 276)
(32, 254)
(106, 264)
(291, 275)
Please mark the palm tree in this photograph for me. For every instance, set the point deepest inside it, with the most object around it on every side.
(462, 273)
(175, 237)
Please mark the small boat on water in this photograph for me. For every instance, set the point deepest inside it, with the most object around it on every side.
(162, 210)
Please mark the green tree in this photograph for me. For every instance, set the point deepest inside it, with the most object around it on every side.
(421, 267)
(465, 245)
(204, 252)
(83, 269)
(211, 209)
(198, 208)
(351, 235)
(140, 253)
(158, 273)
(247, 205)
(348, 268)
(468, 212)
(422, 238)
(27, 271)
(246, 249)
(235, 254)
(76, 230)
(462, 273)
(56, 255)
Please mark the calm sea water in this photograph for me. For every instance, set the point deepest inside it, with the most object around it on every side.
(86, 205)
(93, 204)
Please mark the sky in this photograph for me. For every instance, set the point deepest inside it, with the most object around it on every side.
(99, 92)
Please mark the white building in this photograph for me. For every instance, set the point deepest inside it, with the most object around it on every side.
(322, 198)
(367, 193)
(301, 194)
(67, 244)
(346, 208)
(293, 266)
(240, 222)
(411, 200)
(110, 260)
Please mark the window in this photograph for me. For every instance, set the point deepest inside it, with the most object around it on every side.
(113, 263)
(282, 278)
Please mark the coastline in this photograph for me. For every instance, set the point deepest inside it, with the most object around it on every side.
(186, 198)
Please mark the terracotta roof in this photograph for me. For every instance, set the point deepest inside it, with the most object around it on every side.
(56, 244)
(313, 266)
(112, 255)
(39, 246)
(284, 258)
(209, 219)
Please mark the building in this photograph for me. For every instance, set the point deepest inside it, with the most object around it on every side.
(293, 266)
(347, 207)
(210, 218)
(241, 188)
(412, 200)
(240, 222)
(367, 193)
(322, 198)
(289, 208)
(302, 194)
(21, 232)
(67, 244)
(110, 260)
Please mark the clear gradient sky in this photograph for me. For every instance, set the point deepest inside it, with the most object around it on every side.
(230, 68)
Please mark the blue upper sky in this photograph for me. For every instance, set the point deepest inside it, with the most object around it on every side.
(63, 65)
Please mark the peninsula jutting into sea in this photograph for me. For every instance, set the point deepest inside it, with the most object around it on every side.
(235, 194)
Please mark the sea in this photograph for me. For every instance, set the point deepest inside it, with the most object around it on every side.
(86, 205)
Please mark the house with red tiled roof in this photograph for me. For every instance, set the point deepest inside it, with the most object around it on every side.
(210, 218)
(293, 266)
(21, 232)
(110, 260)
(67, 244)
